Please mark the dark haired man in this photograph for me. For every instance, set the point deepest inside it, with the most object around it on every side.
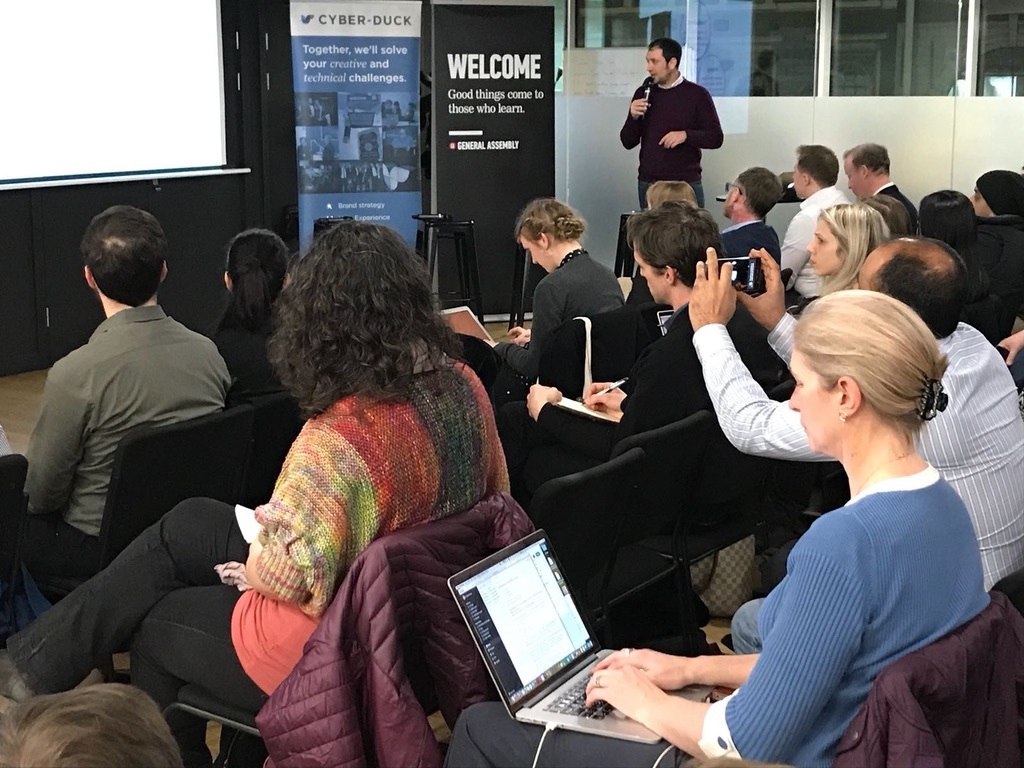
(977, 443)
(867, 173)
(671, 119)
(139, 367)
(814, 181)
(749, 199)
(665, 383)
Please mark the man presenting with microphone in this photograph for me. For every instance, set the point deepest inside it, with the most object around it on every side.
(671, 119)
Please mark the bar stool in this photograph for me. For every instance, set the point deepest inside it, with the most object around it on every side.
(426, 233)
(463, 238)
(437, 227)
(520, 272)
(625, 266)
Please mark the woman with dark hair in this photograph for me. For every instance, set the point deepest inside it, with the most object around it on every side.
(254, 274)
(398, 434)
(948, 216)
(998, 202)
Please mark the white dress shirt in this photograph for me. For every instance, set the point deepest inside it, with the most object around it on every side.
(795, 255)
(977, 443)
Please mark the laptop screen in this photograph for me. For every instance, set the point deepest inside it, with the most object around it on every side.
(524, 619)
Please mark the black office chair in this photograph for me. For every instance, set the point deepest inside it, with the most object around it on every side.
(479, 356)
(665, 483)
(157, 467)
(586, 517)
(275, 425)
(198, 702)
(718, 507)
(13, 509)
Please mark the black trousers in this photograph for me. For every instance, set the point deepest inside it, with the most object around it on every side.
(533, 454)
(162, 599)
(54, 548)
(486, 737)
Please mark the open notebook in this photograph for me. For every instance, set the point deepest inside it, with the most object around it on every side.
(573, 406)
(462, 320)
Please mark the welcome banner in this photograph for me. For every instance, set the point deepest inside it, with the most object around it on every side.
(494, 124)
(356, 75)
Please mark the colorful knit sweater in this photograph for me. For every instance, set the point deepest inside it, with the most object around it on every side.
(364, 469)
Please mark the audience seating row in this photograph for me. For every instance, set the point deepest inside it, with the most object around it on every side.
(232, 456)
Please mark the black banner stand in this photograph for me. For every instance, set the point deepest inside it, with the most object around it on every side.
(493, 125)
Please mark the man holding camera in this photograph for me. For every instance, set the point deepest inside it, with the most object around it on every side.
(671, 119)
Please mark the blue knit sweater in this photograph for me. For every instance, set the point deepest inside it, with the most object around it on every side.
(867, 584)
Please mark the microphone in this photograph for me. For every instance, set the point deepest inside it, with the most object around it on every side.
(646, 89)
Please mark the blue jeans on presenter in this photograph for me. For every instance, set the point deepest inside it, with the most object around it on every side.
(641, 188)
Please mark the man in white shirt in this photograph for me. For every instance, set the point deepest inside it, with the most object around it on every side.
(867, 173)
(814, 180)
(977, 443)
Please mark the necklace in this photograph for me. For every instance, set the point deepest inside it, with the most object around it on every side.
(876, 470)
(570, 256)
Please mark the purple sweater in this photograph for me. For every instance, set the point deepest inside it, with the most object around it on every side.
(686, 107)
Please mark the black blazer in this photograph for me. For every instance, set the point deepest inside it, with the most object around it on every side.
(665, 385)
(894, 192)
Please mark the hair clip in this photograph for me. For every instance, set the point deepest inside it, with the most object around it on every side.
(933, 400)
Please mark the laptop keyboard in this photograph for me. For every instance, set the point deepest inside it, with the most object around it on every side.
(573, 701)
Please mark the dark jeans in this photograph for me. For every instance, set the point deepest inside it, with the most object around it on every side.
(486, 737)
(54, 548)
(162, 598)
(641, 189)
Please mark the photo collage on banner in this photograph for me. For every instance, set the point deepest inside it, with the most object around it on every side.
(357, 120)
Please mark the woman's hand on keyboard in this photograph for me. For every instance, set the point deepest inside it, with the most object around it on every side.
(627, 689)
(669, 673)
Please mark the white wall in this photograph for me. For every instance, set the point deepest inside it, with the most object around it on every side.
(934, 142)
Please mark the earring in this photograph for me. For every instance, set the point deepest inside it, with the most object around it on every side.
(842, 417)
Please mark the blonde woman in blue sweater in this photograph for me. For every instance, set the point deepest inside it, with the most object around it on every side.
(895, 569)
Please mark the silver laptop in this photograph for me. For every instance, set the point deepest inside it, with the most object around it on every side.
(537, 645)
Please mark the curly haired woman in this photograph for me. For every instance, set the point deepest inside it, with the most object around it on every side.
(398, 434)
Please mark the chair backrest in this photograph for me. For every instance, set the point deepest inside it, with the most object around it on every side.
(692, 470)
(275, 425)
(583, 514)
(672, 463)
(617, 339)
(157, 467)
(13, 507)
(479, 356)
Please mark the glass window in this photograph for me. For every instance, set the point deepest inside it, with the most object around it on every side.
(783, 47)
(739, 47)
(1001, 48)
(897, 47)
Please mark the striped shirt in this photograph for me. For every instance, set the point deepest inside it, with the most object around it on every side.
(977, 443)
(5, 447)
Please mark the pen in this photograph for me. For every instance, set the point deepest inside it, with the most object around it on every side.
(610, 387)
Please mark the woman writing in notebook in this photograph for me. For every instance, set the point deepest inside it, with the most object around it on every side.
(397, 435)
(892, 571)
(576, 284)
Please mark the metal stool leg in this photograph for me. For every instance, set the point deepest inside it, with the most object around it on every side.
(473, 273)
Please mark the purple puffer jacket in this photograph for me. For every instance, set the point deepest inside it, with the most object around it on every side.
(393, 637)
(957, 703)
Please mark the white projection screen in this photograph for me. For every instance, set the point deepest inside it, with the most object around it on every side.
(110, 87)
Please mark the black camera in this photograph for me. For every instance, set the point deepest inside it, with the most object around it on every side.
(746, 273)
